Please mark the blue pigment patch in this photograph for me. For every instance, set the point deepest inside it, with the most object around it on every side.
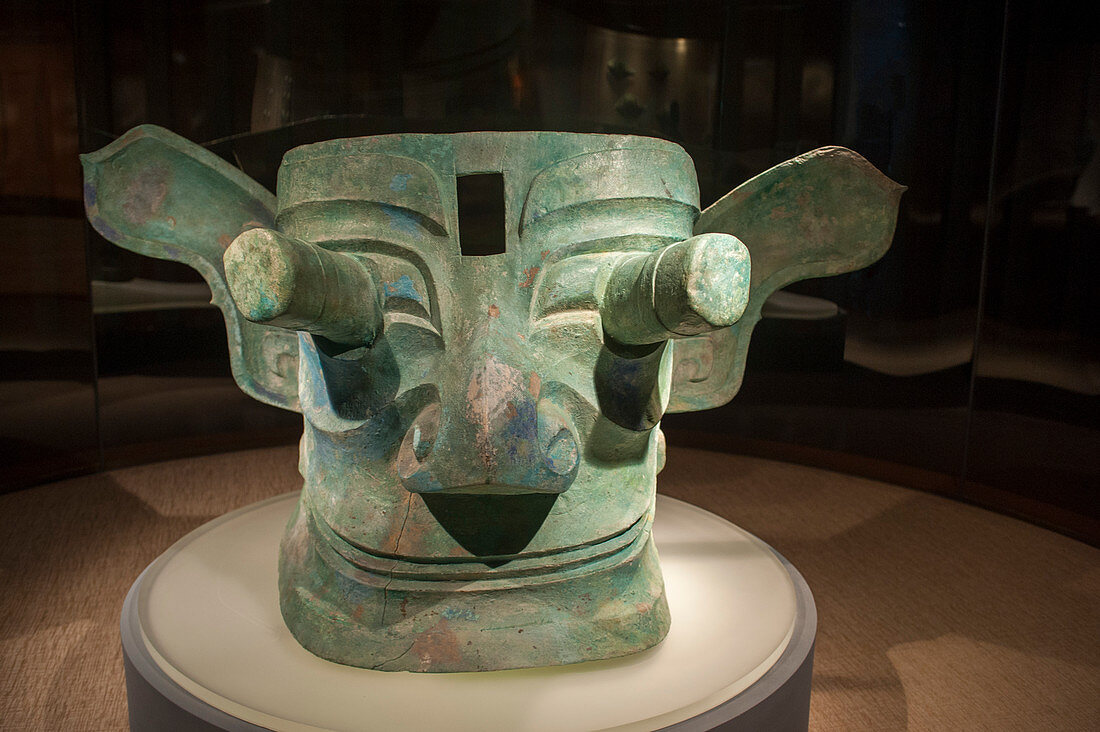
(400, 181)
(403, 222)
(264, 311)
(402, 287)
(263, 393)
(89, 195)
(454, 614)
(107, 230)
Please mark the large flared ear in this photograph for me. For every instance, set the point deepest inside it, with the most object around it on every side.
(823, 213)
(155, 193)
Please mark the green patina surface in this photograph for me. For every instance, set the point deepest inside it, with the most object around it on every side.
(481, 434)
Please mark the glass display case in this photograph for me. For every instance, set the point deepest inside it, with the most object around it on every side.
(965, 362)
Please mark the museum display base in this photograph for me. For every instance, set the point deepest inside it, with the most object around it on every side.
(205, 647)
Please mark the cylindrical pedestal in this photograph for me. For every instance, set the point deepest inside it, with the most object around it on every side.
(206, 649)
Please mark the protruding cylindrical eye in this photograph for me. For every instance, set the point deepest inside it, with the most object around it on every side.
(278, 280)
(691, 287)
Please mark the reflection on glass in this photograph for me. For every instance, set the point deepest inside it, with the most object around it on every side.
(1036, 424)
(47, 399)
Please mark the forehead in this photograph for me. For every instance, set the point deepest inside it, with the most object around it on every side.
(402, 188)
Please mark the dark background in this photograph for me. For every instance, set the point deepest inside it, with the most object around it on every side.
(966, 362)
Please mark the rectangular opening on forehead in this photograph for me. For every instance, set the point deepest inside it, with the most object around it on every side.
(481, 214)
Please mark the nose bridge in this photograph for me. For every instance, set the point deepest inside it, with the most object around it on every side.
(497, 399)
(490, 434)
(489, 425)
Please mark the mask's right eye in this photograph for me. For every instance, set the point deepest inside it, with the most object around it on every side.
(278, 280)
(405, 289)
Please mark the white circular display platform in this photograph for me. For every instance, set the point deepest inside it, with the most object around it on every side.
(202, 632)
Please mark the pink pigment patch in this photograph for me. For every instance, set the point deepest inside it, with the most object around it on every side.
(145, 194)
(437, 646)
(489, 402)
(529, 275)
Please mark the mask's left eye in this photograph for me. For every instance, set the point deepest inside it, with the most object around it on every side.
(277, 280)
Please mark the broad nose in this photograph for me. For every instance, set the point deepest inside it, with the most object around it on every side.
(490, 434)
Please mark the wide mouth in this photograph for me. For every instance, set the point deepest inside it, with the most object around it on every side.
(389, 568)
(498, 489)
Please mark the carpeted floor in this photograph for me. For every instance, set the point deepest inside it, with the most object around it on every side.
(933, 615)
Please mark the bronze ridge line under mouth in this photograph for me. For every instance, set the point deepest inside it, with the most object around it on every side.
(629, 540)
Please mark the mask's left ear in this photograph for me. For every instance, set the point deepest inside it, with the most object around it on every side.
(822, 213)
(155, 193)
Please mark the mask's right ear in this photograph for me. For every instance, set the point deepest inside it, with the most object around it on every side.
(155, 193)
